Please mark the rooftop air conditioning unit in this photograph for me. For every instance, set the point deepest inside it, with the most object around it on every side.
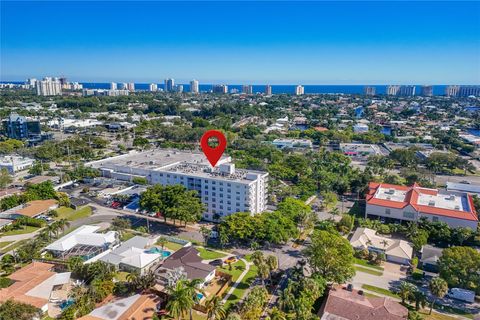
(431, 203)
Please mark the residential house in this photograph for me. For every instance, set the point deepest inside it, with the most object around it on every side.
(349, 304)
(85, 242)
(138, 306)
(398, 251)
(188, 260)
(429, 258)
(35, 284)
(134, 255)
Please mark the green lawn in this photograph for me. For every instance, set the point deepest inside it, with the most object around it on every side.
(127, 235)
(207, 254)
(173, 246)
(365, 263)
(369, 271)
(5, 243)
(380, 290)
(70, 214)
(23, 230)
(237, 269)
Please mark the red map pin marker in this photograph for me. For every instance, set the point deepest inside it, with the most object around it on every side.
(213, 154)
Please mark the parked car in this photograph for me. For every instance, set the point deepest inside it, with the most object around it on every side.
(230, 260)
(462, 294)
(216, 262)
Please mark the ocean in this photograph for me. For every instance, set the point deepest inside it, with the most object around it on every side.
(276, 89)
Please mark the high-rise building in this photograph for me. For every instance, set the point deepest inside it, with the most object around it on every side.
(18, 127)
(220, 88)
(299, 90)
(452, 91)
(393, 90)
(407, 91)
(466, 91)
(31, 82)
(369, 91)
(247, 89)
(223, 189)
(131, 86)
(153, 87)
(427, 91)
(268, 90)
(179, 88)
(113, 86)
(194, 87)
(49, 87)
(169, 85)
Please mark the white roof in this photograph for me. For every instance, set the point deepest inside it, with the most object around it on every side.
(114, 310)
(44, 289)
(133, 253)
(85, 235)
(365, 238)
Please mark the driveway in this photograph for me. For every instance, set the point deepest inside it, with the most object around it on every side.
(392, 276)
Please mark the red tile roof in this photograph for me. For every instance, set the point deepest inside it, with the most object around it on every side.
(411, 198)
(345, 304)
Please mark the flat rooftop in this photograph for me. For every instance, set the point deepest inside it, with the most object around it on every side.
(449, 200)
(175, 161)
(152, 159)
(206, 171)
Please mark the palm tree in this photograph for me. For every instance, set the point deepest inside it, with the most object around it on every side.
(277, 314)
(206, 234)
(162, 241)
(257, 258)
(272, 264)
(420, 299)
(439, 288)
(180, 300)
(384, 243)
(215, 309)
(63, 223)
(192, 287)
(263, 272)
(406, 291)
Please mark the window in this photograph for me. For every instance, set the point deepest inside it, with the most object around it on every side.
(435, 219)
(206, 192)
(408, 215)
(387, 211)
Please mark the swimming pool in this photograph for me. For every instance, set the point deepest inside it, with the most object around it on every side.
(66, 303)
(164, 253)
(200, 296)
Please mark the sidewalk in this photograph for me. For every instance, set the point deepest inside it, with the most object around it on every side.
(239, 280)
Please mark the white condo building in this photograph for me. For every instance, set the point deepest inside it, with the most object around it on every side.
(113, 86)
(194, 87)
(223, 190)
(299, 90)
(153, 87)
(49, 87)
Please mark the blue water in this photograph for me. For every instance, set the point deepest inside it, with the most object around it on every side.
(386, 130)
(475, 132)
(359, 112)
(67, 303)
(200, 296)
(159, 251)
(347, 89)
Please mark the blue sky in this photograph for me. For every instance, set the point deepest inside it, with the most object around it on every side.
(243, 42)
